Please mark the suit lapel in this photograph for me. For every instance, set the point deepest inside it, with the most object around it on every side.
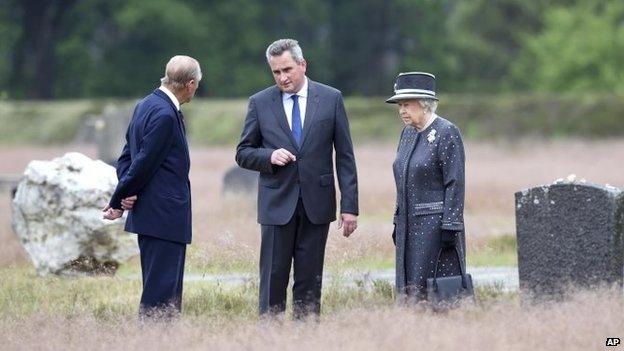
(311, 107)
(183, 129)
(278, 111)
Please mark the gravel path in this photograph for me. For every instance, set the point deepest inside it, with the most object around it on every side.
(504, 277)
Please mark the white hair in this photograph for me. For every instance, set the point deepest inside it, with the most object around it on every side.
(179, 71)
(429, 105)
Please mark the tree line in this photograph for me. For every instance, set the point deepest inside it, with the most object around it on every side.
(118, 48)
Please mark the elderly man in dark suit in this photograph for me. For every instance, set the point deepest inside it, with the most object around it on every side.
(154, 185)
(290, 134)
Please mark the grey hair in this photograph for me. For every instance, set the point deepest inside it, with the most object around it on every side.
(278, 47)
(429, 105)
(179, 71)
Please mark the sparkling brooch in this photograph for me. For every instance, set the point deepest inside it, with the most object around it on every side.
(431, 136)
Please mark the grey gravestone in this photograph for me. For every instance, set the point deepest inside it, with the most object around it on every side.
(9, 182)
(110, 131)
(569, 235)
(240, 181)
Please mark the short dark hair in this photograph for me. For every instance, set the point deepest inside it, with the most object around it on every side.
(279, 46)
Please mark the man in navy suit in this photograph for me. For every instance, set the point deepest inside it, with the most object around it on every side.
(154, 185)
(290, 134)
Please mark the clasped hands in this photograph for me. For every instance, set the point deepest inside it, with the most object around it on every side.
(126, 204)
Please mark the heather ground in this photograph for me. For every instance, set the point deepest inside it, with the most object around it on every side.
(100, 312)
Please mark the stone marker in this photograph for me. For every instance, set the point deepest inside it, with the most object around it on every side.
(8, 182)
(240, 181)
(57, 214)
(110, 131)
(569, 235)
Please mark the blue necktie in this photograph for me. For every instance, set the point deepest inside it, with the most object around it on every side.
(296, 120)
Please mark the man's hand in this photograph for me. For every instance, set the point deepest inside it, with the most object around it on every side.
(111, 213)
(128, 202)
(281, 157)
(349, 222)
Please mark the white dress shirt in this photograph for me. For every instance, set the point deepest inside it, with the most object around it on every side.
(173, 98)
(303, 101)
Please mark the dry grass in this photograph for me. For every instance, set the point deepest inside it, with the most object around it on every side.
(99, 313)
(580, 323)
(226, 233)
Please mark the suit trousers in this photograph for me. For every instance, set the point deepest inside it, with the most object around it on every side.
(162, 265)
(300, 242)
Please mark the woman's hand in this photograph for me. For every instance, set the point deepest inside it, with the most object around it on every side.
(448, 239)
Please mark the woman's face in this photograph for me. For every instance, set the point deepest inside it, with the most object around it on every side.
(410, 112)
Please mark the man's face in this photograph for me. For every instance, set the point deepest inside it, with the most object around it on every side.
(289, 75)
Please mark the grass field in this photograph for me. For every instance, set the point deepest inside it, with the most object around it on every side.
(100, 312)
(219, 121)
(227, 235)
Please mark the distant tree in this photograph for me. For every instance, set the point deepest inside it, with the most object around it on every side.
(486, 37)
(83, 53)
(34, 59)
(9, 32)
(308, 21)
(225, 36)
(117, 48)
(140, 37)
(231, 48)
(423, 41)
(361, 35)
(580, 49)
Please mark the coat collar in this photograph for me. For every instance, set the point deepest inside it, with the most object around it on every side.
(302, 93)
(161, 94)
(171, 96)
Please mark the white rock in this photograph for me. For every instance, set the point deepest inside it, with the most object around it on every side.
(57, 216)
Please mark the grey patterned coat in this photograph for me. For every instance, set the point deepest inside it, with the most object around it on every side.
(429, 176)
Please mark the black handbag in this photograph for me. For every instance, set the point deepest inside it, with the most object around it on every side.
(448, 292)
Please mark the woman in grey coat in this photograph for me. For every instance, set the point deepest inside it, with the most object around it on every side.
(429, 176)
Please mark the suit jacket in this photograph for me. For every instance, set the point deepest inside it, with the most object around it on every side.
(155, 165)
(311, 177)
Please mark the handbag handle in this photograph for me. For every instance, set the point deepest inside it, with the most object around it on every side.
(461, 268)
